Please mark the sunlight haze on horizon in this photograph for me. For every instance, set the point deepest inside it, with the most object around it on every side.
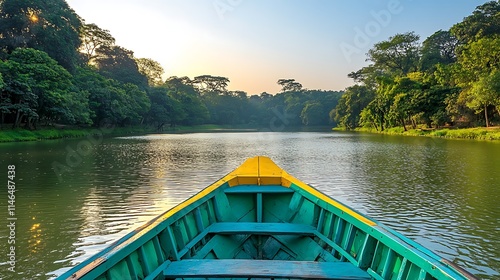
(255, 42)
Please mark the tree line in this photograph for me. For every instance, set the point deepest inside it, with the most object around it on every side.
(451, 78)
(57, 69)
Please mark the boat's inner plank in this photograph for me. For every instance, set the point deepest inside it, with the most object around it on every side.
(258, 189)
(261, 228)
(260, 268)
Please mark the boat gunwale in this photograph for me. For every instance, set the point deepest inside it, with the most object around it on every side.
(133, 240)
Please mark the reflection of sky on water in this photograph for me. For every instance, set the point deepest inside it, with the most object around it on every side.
(441, 193)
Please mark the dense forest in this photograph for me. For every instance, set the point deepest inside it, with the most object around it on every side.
(55, 69)
(451, 78)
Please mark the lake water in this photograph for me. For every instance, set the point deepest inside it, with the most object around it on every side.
(444, 194)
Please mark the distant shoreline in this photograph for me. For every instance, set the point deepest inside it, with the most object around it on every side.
(476, 133)
(52, 133)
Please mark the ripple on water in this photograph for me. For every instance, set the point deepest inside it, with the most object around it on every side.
(439, 193)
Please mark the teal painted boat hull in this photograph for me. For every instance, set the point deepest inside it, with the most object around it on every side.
(259, 222)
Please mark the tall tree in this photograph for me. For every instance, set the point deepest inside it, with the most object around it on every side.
(399, 55)
(5, 102)
(190, 101)
(50, 82)
(479, 65)
(208, 83)
(119, 64)
(484, 22)
(312, 113)
(289, 85)
(47, 25)
(164, 109)
(17, 101)
(93, 37)
(350, 105)
(151, 69)
(484, 93)
(439, 48)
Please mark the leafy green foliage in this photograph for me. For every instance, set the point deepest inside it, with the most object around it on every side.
(438, 49)
(39, 89)
(93, 38)
(398, 55)
(183, 91)
(151, 69)
(289, 85)
(313, 114)
(47, 25)
(117, 63)
(484, 22)
(209, 83)
(451, 78)
(57, 70)
(347, 112)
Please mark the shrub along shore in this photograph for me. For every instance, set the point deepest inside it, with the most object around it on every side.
(22, 135)
(477, 133)
(18, 135)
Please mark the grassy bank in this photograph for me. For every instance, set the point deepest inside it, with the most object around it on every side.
(478, 133)
(18, 135)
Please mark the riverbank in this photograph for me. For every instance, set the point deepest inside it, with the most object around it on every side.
(477, 133)
(49, 133)
(22, 135)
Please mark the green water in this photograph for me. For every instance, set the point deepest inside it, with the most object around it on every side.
(442, 193)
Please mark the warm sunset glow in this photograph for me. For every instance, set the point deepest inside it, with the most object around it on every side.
(36, 237)
(255, 43)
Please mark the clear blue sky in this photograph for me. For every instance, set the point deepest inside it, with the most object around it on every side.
(256, 42)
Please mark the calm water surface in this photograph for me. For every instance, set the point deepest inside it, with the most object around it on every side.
(442, 193)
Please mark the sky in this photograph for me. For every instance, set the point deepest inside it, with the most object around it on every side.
(256, 42)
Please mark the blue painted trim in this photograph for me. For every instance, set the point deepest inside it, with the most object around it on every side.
(143, 256)
(388, 262)
(321, 219)
(402, 269)
(199, 221)
(171, 238)
(238, 268)
(336, 247)
(159, 251)
(192, 243)
(262, 228)
(157, 271)
(258, 189)
(131, 268)
(260, 207)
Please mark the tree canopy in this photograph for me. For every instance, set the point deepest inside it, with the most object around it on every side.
(57, 69)
(450, 78)
(47, 25)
